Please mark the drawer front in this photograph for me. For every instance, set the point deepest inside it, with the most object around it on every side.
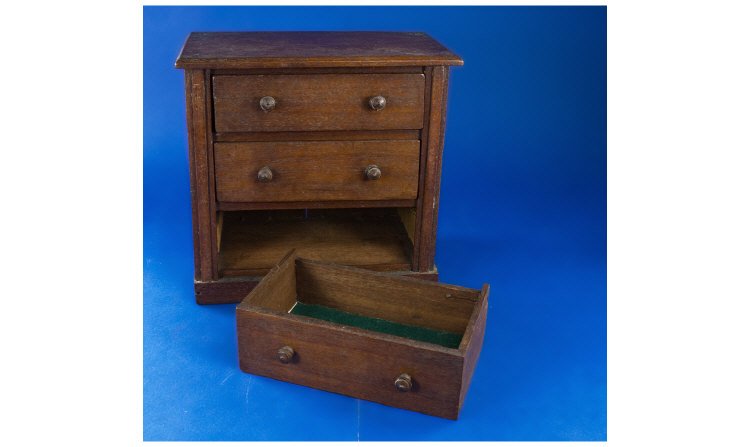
(352, 364)
(316, 170)
(318, 102)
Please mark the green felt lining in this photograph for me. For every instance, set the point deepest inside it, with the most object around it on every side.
(441, 338)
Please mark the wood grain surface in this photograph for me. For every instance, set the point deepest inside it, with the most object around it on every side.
(318, 102)
(318, 70)
(431, 305)
(279, 292)
(346, 135)
(312, 49)
(432, 150)
(253, 241)
(350, 362)
(314, 204)
(472, 341)
(322, 83)
(201, 173)
(316, 170)
(224, 290)
(353, 361)
(235, 289)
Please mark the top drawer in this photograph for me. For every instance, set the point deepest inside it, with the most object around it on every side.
(318, 102)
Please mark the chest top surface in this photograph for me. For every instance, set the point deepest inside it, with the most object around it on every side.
(301, 49)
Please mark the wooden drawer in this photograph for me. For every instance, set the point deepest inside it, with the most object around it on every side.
(316, 170)
(393, 346)
(318, 102)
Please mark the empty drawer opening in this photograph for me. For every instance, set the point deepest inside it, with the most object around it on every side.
(252, 242)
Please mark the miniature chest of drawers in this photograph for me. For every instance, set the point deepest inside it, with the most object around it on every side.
(326, 142)
(324, 150)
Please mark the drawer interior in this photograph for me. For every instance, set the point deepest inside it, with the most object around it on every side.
(251, 242)
(442, 338)
(415, 309)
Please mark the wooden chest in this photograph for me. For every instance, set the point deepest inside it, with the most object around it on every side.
(327, 142)
(399, 341)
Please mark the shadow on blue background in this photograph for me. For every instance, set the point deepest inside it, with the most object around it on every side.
(523, 207)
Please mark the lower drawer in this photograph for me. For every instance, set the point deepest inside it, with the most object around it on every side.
(398, 341)
(316, 170)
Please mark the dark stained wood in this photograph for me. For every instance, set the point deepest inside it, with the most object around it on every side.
(253, 241)
(235, 289)
(424, 138)
(350, 362)
(438, 168)
(319, 70)
(432, 165)
(319, 135)
(312, 49)
(193, 179)
(200, 151)
(318, 102)
(358, 362)
(432, 305)
(211, 177)
(314, 170)
(240, 206)
(427, 276)
(332, 75)
(472, 341)
(222, 291)
(238, 273)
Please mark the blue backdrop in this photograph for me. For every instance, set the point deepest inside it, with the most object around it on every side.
(522, 207)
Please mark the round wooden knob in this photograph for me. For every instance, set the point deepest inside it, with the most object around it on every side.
(403, 382)
(265, 174)
(372, 172)
(377, 103)
(285, 354)
(267, 103)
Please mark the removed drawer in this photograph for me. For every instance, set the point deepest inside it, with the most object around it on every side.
(398, 341)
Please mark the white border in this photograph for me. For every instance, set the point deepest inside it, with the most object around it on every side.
(677, 199)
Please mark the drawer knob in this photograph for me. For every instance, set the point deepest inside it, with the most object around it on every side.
(372, 172)
(267, 103)
(403, 382)
(265, 174)
(377, 103)
(285, 354)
